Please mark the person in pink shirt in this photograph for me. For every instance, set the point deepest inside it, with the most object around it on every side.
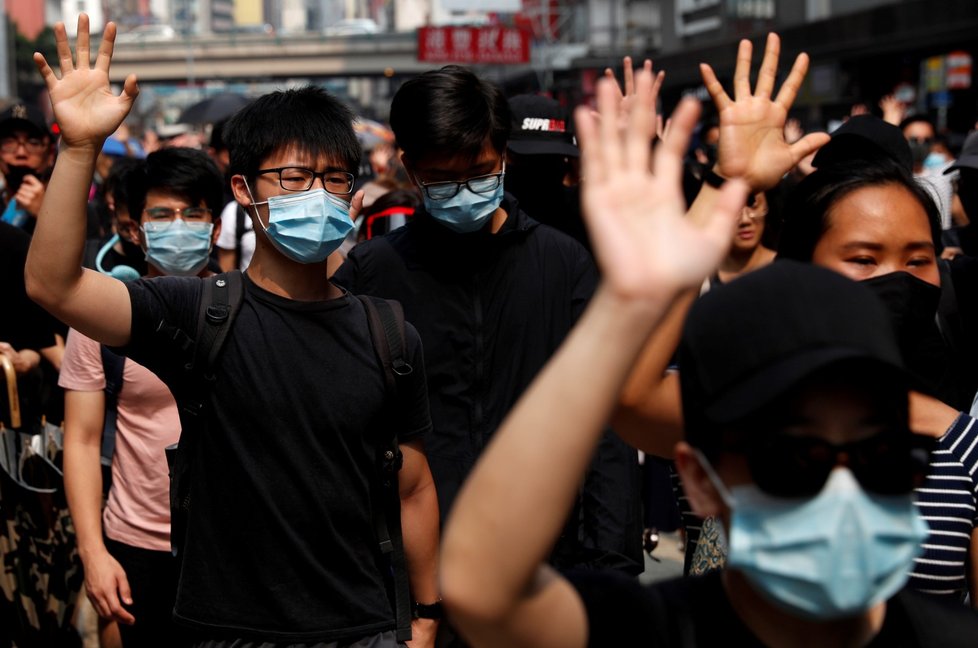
(130, 573)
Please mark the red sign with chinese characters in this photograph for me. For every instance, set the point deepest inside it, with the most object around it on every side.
(492, 44)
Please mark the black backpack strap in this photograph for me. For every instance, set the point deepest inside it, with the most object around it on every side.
(385, 320)
(220, 301)
(113, 366)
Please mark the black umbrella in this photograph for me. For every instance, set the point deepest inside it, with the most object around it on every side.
(214, 109)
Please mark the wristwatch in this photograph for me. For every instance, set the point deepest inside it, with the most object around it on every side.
(427, 610)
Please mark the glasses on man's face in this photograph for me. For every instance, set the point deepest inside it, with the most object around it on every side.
(30, 144)
(302, 179)
(888, 463)
(169, 214)
(449, 189)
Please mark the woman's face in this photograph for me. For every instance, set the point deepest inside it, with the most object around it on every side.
(750, 227)
(877, 230)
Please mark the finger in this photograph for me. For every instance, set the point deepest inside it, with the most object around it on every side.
(720, 98)
(808, 145)
(769, 67)
(609, 139)
(63, 48)
(105, 48)
(626, 64)
(46, 72)
(741, 80)
(125, 593)
(130, 89)
(659, 79)
(610, 74)
(659, 131)
(82, 52)
(587, 122)
(669, 155)
(719, 226)
(792, 84)
(641, 126)
(356, 205)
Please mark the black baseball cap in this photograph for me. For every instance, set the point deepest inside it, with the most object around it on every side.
(865, 137)
(25, 116)
(969, 155)
(749, 342)
(540, 127)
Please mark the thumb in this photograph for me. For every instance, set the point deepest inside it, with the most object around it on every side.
(125, 593)
(721, 224)
(808, 144)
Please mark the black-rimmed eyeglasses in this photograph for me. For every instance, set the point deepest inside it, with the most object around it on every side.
(302, 179)
(449, 189)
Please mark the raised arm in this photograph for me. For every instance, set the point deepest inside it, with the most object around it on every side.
(87, 112)
(513, 505)
(752, 146)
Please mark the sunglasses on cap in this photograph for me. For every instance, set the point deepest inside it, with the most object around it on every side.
(796, 466)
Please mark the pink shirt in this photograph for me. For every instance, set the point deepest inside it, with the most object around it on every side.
(138, 510)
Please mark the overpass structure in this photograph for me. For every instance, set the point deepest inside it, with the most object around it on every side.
(270, 57)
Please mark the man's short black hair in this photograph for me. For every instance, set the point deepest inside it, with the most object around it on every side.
(117, 182)
(449, 111)
(184, 172)
(919, 117)
(308, 118)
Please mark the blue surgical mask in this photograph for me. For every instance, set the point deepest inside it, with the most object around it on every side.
(177, 247)
(834, 555)
(466, 211)
(935, 161)
(307, 227)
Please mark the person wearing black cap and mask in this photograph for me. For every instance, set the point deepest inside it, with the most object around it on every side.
(539, 155)
(26, 156)
(966, 167)
(797, 438)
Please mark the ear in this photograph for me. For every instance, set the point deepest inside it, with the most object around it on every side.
(218, 221)
(128, 229)
(240, 189)
(700, 491)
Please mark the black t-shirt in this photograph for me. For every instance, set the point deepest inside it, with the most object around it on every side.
(280, 542)
(696, 612)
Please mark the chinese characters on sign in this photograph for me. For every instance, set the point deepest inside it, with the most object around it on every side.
(491, 44)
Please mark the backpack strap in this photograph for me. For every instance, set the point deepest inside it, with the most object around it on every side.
(385, 319)
(113, 366)
(220, 301)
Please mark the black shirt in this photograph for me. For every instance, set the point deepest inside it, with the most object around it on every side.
(280, 544)
(491, 310)
(696, 612)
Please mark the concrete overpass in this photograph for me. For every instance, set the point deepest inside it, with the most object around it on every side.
(251, 57)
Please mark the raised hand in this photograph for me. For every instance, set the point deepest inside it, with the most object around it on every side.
(752, 143)
(86, 110)
(893, 109)
(645, 246)
(627, 99)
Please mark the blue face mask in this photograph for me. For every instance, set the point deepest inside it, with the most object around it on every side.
(834, 555)
(466, 211)
(178, 248)
(307, 227)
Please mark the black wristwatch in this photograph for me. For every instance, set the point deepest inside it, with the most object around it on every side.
(427, 610)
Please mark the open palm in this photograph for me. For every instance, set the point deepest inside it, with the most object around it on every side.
(645, 246)
(752, 143)
(86, 110)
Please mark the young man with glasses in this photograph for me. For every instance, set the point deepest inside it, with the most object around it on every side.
(493, 293)
(130, 573)
(281, 544)
(796, 412)
(26, 155)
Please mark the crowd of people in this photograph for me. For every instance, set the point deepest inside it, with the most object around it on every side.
(301, 409)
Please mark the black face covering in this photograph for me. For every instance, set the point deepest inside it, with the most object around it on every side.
(912, 305)
(919, 149)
